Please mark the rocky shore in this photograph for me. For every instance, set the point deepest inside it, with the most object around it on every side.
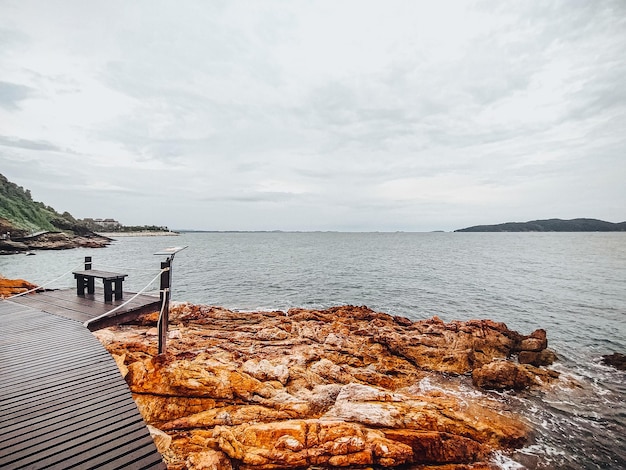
(9, 287)
(52, 241)
(344, 387)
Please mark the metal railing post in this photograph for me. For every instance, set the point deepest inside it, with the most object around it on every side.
(166, 281)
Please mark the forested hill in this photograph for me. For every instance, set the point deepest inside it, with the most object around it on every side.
(20, 215)
(551, 225)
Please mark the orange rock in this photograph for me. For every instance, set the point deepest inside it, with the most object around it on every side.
(328, 388)
(230, 415)
(429, 446)
(161, 439)
(310, 442)
(162, 409)
(197, 378)
(477, 421)
(9, 287)
(208, 460)
(501, 375)
(545, 357)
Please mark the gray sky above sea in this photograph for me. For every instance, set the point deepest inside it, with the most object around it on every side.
(316, 115)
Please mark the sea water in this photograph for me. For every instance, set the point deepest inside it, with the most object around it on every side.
(571, 284)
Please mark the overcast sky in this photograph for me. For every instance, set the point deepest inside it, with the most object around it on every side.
(316, 115)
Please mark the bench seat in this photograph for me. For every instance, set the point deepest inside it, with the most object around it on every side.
(112, 283)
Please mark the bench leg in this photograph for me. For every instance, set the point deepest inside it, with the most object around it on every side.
(108, 290)
(91, 289)
(80, 286)
(118, 289)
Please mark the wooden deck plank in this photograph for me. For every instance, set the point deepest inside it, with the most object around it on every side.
(44, 402)
(63, 308)
(61, 392)
(28, 435)
(48, 383)
(65, 303)
(144, 462)
(13, 308)
(63, 402)
(13, 373)
(25, 340)
(128, 457)
(23, 379)
(93, 429)
(86, 454)
(69, 297)
(30, 380)
(26, 325)
(53, 347)
(75, 413)
(52, 382)
(137, 459)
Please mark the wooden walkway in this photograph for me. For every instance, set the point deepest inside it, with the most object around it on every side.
(63, 401)
(67, 304)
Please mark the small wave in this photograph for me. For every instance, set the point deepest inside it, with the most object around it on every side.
(505, 462)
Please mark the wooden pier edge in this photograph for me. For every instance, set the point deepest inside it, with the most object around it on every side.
(122, 318)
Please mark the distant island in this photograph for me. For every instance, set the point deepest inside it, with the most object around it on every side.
(551, 225)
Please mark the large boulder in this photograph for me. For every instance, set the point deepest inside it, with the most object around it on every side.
(502, 375)
(616, 360)
(507, 375)
(537, 341)
(544, 357)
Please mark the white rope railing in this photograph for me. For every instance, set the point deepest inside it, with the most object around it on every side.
(164, 291)
(106, 314)
(43, 285)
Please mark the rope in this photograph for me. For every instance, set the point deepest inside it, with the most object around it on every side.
(43, 285)
(86, 324)
(162, 309)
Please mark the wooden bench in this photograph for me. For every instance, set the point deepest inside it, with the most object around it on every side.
(112, 283)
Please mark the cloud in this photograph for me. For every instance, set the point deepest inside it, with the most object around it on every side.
(28, 144)
(11, 94)
(254, 197)
(349, 114)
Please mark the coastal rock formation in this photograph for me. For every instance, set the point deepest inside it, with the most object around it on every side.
(617, 360)
(63, 241)
(52, 241)
(8, 247)
(9, 287)
(342, 387)
(505, 375)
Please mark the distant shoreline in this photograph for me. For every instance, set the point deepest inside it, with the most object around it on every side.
(143, 233)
